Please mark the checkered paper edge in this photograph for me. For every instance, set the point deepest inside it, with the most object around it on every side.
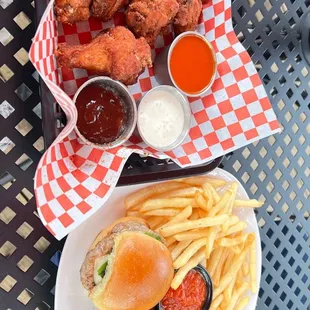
(73, 180)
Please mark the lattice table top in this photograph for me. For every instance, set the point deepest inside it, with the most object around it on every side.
(275, 170)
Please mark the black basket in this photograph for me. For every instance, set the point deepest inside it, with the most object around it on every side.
(137, 169)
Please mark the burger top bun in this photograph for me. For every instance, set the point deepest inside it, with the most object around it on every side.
(138, 275)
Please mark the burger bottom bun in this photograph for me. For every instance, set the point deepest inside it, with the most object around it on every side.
(138, 276)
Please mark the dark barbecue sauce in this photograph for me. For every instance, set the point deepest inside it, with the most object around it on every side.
(100, 114)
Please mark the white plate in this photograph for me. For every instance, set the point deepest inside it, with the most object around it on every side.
(70, 294)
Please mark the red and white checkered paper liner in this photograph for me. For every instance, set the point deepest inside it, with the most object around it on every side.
(74, 180)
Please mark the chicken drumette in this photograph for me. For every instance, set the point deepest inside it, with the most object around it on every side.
(115, 53)
(71, 11)
(150, 18)
(187, 16)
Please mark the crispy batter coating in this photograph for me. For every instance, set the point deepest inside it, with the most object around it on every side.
(150, 18)
(105, 9)
(71, 11)
(115, 53)
(187, 16)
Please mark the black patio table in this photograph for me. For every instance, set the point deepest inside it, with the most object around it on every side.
(275, 169)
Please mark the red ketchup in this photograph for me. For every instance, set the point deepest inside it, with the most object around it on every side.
(100, 114)
(190, 295)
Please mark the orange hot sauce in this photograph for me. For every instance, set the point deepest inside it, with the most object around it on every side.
(192, 64)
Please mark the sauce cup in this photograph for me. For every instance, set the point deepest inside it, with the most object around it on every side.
(163, 72)
(164, 117)
(129, 111)
(209, 288)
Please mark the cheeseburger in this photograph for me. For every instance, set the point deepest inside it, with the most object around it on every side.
(127, 267)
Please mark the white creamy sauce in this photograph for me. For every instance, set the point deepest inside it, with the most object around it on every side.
(98, 263)
(161, 118)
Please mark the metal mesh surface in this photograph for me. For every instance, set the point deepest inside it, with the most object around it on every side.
(275, 169)
(27, 273)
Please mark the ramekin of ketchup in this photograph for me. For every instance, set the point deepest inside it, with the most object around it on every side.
(192, 63)
(195, 292)
(107, 113)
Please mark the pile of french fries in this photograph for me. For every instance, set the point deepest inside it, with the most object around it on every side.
(195, 215)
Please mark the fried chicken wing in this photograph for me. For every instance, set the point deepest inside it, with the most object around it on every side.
(71, 11)
(115, 53)
(150, 18)
(187, 16)
(105, 9)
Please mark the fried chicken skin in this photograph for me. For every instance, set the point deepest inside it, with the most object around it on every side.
(115, 53)
(71, 11)
(187, 16)
(105, 9)
(150, 18)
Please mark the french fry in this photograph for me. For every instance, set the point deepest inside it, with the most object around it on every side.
(219, 267)
(239, 279)
(195, 215)
(216, 197)
(252, 203)
(170, 240)
(161, 223)
(203, 263)
(245, 268)
(200, 223)
(228, 262)
(236, 265)
(229, 290)
(207, 193)
(235, 249)
(225, 227)
(172, 246)
(213, 231)
(201, 213)
(199, 181)
(237, 294)
(154, 221)
(192, 234)
(162, 212)
(154, 204)
(200, 201)
(145, 193)
(188, 253)
(182, 272)
(253, 267)
(233, 188)
(216, 302)
(221, 204)
(227, 207)
(181, 246)
(187, 192)
(243, 303)
(235, 228)
(233, 219)
(228, 242)
(214, 260)
(183, 215)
